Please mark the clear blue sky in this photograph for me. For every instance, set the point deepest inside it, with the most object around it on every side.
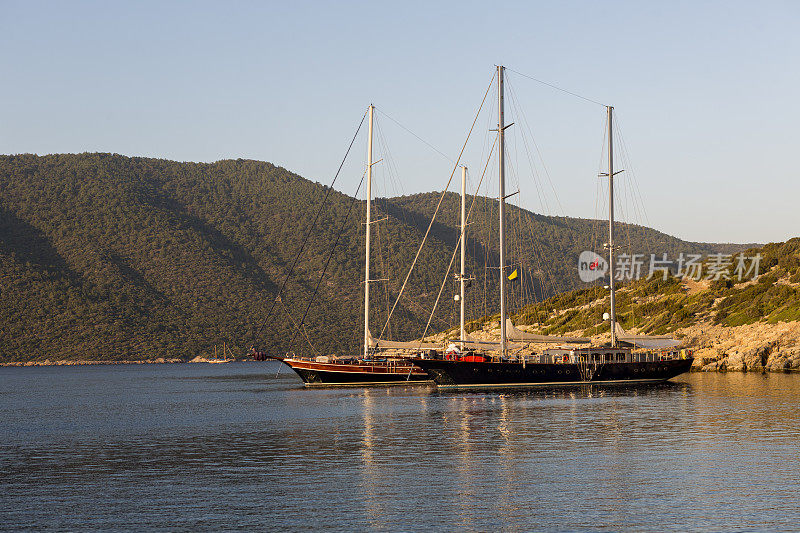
(707, 92)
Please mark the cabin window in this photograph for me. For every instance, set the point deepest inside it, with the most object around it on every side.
(595, 357)
(609, 357)
(620, 357)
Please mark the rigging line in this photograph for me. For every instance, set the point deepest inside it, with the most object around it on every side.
(298, 328)
(523, 118)
(547, 275)
(555, 87)
(310, 229)
(441, 198)
(386, 170)
(392, 171)
(596, 222)
(429, 145)
(453, 257)
(526, 124)
(439, 295)
(634, 186)
(629, 164)
(333, 249)
(520, 118)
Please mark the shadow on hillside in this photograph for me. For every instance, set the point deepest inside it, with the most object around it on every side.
(135, 277)
(477, 252)
(30, 245)
(236, 255)
(443, 233)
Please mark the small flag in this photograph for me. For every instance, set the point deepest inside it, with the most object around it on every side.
(514, 275)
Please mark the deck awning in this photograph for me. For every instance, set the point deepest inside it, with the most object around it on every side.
(651, 342)
(515, 334)
(400, 345)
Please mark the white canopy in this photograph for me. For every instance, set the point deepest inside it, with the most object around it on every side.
(519, 335)
(469, 342)
(413, 345)
(653, 342)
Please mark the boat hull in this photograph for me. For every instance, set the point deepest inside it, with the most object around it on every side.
(316, 374)
(461, 374)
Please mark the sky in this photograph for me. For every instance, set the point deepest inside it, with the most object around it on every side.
(706, 96)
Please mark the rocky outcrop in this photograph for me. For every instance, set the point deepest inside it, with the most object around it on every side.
(786, 360)
(769, 357)
(758, 347)
(70, 362)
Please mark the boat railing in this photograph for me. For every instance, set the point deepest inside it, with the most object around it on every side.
(386, 362)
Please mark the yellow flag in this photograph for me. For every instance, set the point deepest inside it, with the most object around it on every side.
(514, 275)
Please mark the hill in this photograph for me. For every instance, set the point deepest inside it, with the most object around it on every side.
(106, 257)
(732, 324)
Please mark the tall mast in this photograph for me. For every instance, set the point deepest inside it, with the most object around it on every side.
(368, 224)
(611, 226)
(501, 153)
(463, 334)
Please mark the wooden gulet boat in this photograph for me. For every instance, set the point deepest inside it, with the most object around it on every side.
(615, 363)
(371, 368)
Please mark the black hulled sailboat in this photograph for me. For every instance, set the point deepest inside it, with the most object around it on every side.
(616, 362)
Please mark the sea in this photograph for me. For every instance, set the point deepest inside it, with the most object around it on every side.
(243, 446)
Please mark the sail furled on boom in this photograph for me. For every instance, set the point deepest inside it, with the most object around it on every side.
(653, 342)
(518, 335)
(400, 345)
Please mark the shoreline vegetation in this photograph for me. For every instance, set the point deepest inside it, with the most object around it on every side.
(133, 259)
(730, 324)
(112, 257)
(757, 347)
(88, 362)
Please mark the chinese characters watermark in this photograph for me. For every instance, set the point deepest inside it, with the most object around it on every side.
(712, 267)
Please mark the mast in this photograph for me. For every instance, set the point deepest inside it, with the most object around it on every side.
(463, 248)
(368, 224)
(611, 225)
(502, 163)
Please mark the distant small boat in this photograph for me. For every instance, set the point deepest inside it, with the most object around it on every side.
(224, 359)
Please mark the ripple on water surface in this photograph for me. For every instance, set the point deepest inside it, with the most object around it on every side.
(239, 446)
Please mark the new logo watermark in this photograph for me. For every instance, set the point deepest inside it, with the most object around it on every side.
(591, 266)
(711, 267)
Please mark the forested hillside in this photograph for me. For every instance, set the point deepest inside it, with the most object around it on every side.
(106, 257)
(660, 306)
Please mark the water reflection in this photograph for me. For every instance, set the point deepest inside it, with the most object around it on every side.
(218, 448)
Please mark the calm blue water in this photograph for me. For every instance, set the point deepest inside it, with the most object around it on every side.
(222, 447)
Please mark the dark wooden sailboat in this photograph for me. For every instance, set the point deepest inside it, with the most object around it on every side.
(371, 367)
(327, 371)
(600, 365)
(617, 362)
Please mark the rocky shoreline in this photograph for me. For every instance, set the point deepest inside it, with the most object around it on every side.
(65, 362)
(77, 362)
(756, 347)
